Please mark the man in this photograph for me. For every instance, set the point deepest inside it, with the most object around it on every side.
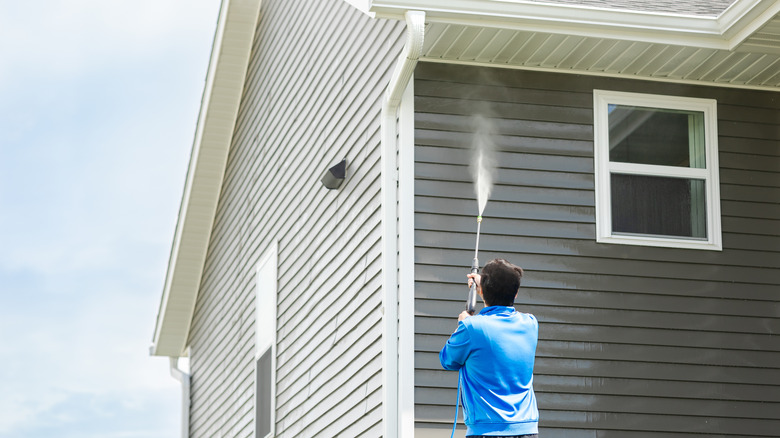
(494, 351)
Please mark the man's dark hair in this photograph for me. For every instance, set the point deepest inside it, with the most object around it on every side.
(500, 282)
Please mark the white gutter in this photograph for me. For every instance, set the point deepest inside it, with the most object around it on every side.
(404, 68)
(183, 378)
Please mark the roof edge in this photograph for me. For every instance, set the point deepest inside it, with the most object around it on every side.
(725, 31)
(222, 93)
(745, 17)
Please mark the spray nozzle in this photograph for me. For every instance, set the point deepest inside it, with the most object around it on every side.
(479, 219)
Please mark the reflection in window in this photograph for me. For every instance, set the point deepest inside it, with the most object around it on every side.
(656, 136)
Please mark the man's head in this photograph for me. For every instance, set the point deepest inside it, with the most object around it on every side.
(500, 282)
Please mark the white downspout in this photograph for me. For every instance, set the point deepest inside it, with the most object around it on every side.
(184, 379)
(404, 68)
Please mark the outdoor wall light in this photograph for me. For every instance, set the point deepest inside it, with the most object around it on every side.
(335, 175)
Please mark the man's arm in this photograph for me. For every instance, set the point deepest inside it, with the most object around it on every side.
(457, 348)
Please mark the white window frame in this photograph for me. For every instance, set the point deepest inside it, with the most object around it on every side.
(266, 290)
(604, 168)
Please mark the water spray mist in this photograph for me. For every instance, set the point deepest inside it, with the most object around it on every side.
(482, 168)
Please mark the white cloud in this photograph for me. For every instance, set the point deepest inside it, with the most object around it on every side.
(99, 106)
(73, 36)
(88, 149)
(67, 339)
(85, 415)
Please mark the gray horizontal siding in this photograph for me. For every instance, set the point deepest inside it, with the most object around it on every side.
(634, 341)
(313, 96)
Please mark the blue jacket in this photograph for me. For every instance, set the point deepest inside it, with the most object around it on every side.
(494, 351)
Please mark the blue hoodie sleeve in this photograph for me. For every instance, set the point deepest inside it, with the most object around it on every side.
(456, 350)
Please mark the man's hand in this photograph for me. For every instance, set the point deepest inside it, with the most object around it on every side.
(475, 277)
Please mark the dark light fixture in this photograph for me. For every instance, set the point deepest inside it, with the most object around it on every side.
(335, 175)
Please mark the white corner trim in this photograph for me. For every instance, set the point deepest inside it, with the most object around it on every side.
(404, 68)
(406, 262)
(389, 281)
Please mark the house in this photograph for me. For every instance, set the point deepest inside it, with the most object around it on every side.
(638, 183)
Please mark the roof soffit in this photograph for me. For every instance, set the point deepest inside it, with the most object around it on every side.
(740, 47)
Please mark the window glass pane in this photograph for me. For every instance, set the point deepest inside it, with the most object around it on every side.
(263, 395)
(671, 207)
(656, 136)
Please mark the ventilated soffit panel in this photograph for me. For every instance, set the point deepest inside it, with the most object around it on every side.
(755, 63)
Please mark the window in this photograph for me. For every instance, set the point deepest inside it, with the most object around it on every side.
(265, 345)
(656, 165)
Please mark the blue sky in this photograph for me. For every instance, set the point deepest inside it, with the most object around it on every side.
(98, 106)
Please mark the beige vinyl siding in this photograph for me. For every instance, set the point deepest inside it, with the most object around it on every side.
(313, 96)
(634, 341)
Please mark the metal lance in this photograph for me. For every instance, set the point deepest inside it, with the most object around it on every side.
(471, 302)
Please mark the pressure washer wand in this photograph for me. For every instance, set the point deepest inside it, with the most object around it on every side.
(471, 302)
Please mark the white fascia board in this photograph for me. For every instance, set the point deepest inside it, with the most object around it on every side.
(725, 32)
(218, 112)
